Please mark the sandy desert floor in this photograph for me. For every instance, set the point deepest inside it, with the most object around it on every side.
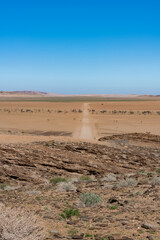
(126, 117)
(27, 121)
(31, 121)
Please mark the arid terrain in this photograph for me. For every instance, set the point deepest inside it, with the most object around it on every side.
(33, 120)
(80, 170)
(126, 117)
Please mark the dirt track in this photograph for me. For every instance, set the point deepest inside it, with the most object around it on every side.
(86, 131)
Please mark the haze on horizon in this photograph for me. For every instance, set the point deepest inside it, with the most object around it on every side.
(80, 47)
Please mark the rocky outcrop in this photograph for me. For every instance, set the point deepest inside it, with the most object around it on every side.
(39, 161)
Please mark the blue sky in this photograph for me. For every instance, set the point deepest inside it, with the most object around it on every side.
(80, 46)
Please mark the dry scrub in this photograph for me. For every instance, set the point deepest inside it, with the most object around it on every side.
(18, 224)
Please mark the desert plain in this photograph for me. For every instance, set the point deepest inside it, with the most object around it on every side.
(80, 169)
(77, 120)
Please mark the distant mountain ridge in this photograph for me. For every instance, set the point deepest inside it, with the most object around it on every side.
(29, 93)
(24, 92)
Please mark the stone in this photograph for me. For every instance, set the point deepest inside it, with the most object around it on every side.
(78, 236)
(150, 238)
(109, 178)
(149, 226)
(54, 231)
(113, 200)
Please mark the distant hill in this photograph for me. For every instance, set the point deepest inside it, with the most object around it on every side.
(23, 93)
(30, 94)
(26, 93)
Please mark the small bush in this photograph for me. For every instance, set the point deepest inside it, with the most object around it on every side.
(2, 186)
(113, 207)
(141, 172)
(89, 235)
(20, 224)
(130, 182)
(69, 212)
(90, 199)
(72, 231)
(138, 193)
(156, 181)
(57, 180)
(149, 174)
(66, 187)
(158, 170)
(86, 179)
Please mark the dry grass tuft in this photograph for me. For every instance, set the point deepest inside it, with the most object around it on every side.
(18, 224)
(129, 182)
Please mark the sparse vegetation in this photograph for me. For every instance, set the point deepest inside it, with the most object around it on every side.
(150, 174)
(72, 231)
(156, 181)
(2, 186)
(113, 207)
(90, 199)
(17, 223)
(86, 178)
(141, 172)
(158, 170)
(70, 212)
(130, 182)
(66, 186)
(88, 235)
(138, 193)
(56, 180)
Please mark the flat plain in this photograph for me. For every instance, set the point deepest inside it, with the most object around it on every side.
(27, 120)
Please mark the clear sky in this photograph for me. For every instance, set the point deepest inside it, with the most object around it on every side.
(80, 46)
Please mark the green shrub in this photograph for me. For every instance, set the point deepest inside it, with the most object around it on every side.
(158, 170)
(90, 199)
(2, 186)
(113, 207)
(149, 174)
(69, 212)
(89, 235)
(57, 180)
(141, 172)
